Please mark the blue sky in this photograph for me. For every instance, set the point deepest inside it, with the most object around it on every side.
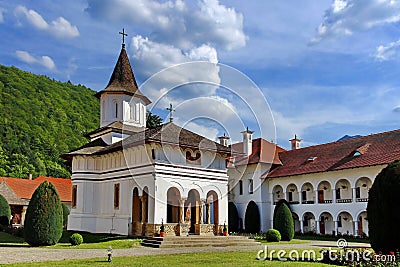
(326, 68)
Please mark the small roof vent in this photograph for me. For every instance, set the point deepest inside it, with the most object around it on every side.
(310, 159)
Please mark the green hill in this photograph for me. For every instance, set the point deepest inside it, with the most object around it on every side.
(40, 119)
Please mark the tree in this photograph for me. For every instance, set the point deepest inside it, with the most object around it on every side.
(283, 220)
(233, 217)
(252, 218)
(153, 120)
(65, 215)
(44, 217)
(383, 204)
(5, 212)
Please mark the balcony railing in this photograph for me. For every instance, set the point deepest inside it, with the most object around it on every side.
(362, 199)
(294, 202)
(326, 201)
(307, 202)
(346, 200)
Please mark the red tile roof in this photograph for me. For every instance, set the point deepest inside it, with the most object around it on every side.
(24, 188)
(262, 152)
(375, 149)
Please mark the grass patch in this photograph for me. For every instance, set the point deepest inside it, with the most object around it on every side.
(209, 259)
(330, 238)
(90, 241)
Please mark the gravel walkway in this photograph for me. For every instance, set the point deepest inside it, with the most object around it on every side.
(8, 254)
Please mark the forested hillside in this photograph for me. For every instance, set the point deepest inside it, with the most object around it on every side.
(40, 119)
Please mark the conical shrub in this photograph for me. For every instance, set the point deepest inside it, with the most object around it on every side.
(44, 217)
(5, 212)
(283, 221)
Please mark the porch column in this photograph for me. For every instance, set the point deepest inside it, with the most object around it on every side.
(318, 227)
(333, 195)
(143, 200)
(208, 213)
(271, 198)
(202, 201)
(355, 228)
(336, 227)
(354, 194)
(182, 210)
(301, 226)
(300, 195)
(316, 197)
(23, 214)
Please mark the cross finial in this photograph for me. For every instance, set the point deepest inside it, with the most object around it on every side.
(170, 112)
(123, 36)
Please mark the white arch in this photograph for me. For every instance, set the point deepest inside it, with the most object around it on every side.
(177, 186)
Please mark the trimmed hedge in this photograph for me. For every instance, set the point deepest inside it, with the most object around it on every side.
(252, 218)
(273, 235)
(44, 217)
(233, 217)
(76, 239)
(283, 220)
(383, 204)
(5, 212)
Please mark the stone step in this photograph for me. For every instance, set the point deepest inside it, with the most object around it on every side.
(198, 241)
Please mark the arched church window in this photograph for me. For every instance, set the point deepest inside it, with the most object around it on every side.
(193, 159)
(116, 109)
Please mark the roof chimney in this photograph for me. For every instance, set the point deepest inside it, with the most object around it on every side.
(295, 142)
(247, 141)
(223, 140)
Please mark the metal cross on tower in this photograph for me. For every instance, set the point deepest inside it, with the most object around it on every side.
(170, 112)
(123, 36)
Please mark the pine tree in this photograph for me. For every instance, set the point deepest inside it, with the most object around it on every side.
(44, 217)
(283, 221)
(383, 204)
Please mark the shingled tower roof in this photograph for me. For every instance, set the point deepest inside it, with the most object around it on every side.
(123, 80)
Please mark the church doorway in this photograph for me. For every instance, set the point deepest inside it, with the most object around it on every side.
(173, 206)
(212, 208)
(192, 209)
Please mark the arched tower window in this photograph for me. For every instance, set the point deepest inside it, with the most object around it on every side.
(116, 109)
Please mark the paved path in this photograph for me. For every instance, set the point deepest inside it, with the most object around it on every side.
(9, 254)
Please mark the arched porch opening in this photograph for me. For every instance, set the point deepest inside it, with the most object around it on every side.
(326, 224)
(363, 185)
(307, 193)
(344, 192)
(325, 195)
(345, 223)
(278, 193)
(296, 221)
(292, 194)
(211, 214)
(192, 210)
(362, 222)
(173, 205)
(309, 224)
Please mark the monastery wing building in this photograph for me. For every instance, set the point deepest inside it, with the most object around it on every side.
(326, 185)
(130, 179)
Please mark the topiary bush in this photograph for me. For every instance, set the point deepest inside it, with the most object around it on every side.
(5, 212)
(283, 220)
(273, 235)
(252, 218)
(44, 217)
(76, 239)
(65, 214)
(383, 204)
(233, 217)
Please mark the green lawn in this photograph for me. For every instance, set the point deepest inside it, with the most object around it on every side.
(241, 258)
(90, 241)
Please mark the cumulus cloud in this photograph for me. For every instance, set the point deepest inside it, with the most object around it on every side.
(345, 17)
(388, 52)
(59, 27)
(176, 23)
(2, 15)
(44, 61)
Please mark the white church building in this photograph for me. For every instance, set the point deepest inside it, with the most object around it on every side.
(130, 179)
(325, 185)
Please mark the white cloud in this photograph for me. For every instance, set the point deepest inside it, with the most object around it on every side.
(388, 52)
(44, 61)
(2, 11)
(174, 22)
(59, 27)
(344, 17)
